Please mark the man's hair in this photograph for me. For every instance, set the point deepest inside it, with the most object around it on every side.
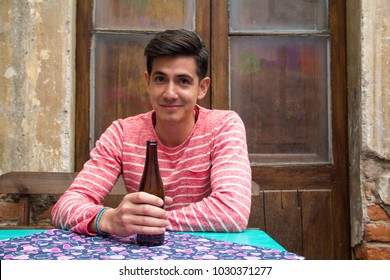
(179, 42)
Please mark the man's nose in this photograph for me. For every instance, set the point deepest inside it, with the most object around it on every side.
(170, 91)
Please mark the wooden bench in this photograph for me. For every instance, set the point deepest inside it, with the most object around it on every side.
(26, 184)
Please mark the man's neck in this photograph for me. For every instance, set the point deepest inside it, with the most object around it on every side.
(172, 135)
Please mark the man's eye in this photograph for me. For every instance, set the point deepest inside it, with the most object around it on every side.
(185, 82)
(159, 79)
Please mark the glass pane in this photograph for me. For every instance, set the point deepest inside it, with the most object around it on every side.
(257, 15)
(279, 87)
(145, 14)
(119, 78)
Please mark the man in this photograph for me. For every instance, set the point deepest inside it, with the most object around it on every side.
(202, 155)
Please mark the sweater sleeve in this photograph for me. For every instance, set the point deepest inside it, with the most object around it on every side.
(227, 208)
(83, 200)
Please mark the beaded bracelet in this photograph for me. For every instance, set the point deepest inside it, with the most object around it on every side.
(96, 224)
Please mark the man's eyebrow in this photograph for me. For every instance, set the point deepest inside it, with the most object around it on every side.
(158, 73)
(187, 76)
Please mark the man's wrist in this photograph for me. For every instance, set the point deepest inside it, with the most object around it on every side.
(97, 224)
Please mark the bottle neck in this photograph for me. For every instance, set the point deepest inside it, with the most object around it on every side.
(151, 177)
(151, 181)
(151, 155)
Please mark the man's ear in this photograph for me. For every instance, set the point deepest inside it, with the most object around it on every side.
(146, 76)
(203, 87)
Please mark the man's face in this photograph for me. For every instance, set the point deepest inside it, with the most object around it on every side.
(174, 88)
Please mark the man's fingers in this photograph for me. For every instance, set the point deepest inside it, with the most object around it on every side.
(146, 221)
(144, 198)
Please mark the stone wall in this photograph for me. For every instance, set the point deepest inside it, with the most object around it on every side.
(37, 50)
(36, 85)
(369, 126)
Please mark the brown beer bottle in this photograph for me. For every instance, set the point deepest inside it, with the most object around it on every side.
(151, 182)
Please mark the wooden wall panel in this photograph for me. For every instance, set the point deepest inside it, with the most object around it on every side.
(297, 219)
(316, 217)
(283, 218)
(256, 219)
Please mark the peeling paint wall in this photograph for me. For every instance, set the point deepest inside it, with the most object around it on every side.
(369, 126)
(376, 77)
(37, 85)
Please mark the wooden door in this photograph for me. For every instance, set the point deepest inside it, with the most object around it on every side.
(279, 63)
(287, 82)
(111, 36)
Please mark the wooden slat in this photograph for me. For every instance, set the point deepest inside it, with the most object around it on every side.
(84, 28)
(316, 217)
(294, 177)
(24, 210)
(38, 226)
(44, 183)
(256, 219)
(203, 19)
(340, 222)
(283, 219)
(220, 55)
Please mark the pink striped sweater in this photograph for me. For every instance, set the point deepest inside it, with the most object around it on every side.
(208, 175)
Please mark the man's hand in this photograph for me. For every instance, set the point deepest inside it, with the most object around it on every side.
(138, 212)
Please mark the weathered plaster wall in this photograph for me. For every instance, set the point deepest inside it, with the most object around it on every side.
(376, 77)
(36, 85)
(369, 126)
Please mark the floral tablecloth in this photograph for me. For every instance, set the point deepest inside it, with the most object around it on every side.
(65, 245)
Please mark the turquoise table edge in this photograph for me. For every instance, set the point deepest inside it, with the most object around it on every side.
(254, 237)
(9, 233)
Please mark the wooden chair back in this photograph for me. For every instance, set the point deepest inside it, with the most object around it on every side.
(26, 184)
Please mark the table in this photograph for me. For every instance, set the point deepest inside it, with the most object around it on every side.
(253, 237)
(10, 233)
(60, 244)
